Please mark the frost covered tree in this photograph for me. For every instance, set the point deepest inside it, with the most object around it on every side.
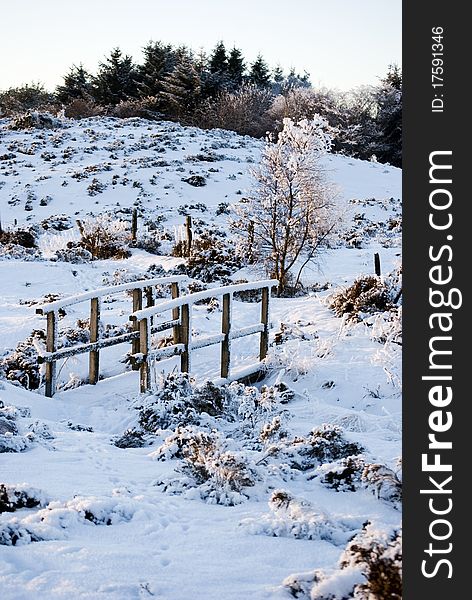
(291, 210)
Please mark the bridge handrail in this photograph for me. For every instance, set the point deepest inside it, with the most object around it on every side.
(107, 291)
(204, 295)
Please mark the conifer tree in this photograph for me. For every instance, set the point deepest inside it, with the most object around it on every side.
(259, 74)
(181, 89)
(159, 60)
(236, 67)
(77, 84)
(218, 60)
(117, 79)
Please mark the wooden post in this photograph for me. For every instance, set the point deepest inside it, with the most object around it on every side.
(189, 235)
(264, 343)
(250, 243)
(226, 343)
(94, 356)
(134, 225)
(145, 378)
(149, 301)
(137, 305)
(377, 264)
(175, 312)
(51, 346)
(185, 338)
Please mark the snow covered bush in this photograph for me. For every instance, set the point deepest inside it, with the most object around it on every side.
(219, 475)
(74, 253)
(369, 568)
(36, 120)
(324, 444)
(21, 366)
(19, 237)
(105, 237)
(367, 295)
(54, 520)
(131, 438)
(177, 401)
(297, 518)
(14, 497)
(353, 473)
(211, 258)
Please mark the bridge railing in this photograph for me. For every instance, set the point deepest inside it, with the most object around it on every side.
(181, 323)
(139, 289)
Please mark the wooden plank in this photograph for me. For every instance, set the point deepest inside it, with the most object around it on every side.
(145, 374)
(264, 341)
(51, 345)
(137, 305)
(226, 330)
(184, 336)
(175, 311)
(244, 331)
(94, 358)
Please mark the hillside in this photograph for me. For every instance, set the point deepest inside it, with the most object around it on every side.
(179, 508)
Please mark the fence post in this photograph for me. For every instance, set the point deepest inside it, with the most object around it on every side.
(51, 346)
(137, 305)
(377, 264)
(185, 338)
(175, 312)
(145, 379)
(226, 343)
(134, 225)
(264, 342)
(94, 356)
(149, 301)
(188, 229)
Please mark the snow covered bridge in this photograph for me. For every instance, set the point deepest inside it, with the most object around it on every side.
(147, 321)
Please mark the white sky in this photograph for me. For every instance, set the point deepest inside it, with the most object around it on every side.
(341, 43)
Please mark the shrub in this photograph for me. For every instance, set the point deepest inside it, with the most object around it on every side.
(34, 120)
(219, 475)
(130, 439)
(27, 97)
(144, 108)
(370, 568)
(105, 238)
(211, 259)
(19, 496)
(179, 402)
(19, 237)
(379, 556)
(244, 111)
(324, 444)
(366, 295)
(79, 108)
(297, 518)
(21, 366)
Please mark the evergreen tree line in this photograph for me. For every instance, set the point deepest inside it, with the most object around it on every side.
(221, 90)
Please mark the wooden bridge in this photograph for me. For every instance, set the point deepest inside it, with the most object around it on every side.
(144, 324)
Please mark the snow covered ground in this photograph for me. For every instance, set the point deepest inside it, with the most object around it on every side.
(115, 523)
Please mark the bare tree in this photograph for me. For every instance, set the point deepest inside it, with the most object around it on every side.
(291, 210)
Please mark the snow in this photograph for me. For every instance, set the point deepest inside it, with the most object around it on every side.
(158, 544)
